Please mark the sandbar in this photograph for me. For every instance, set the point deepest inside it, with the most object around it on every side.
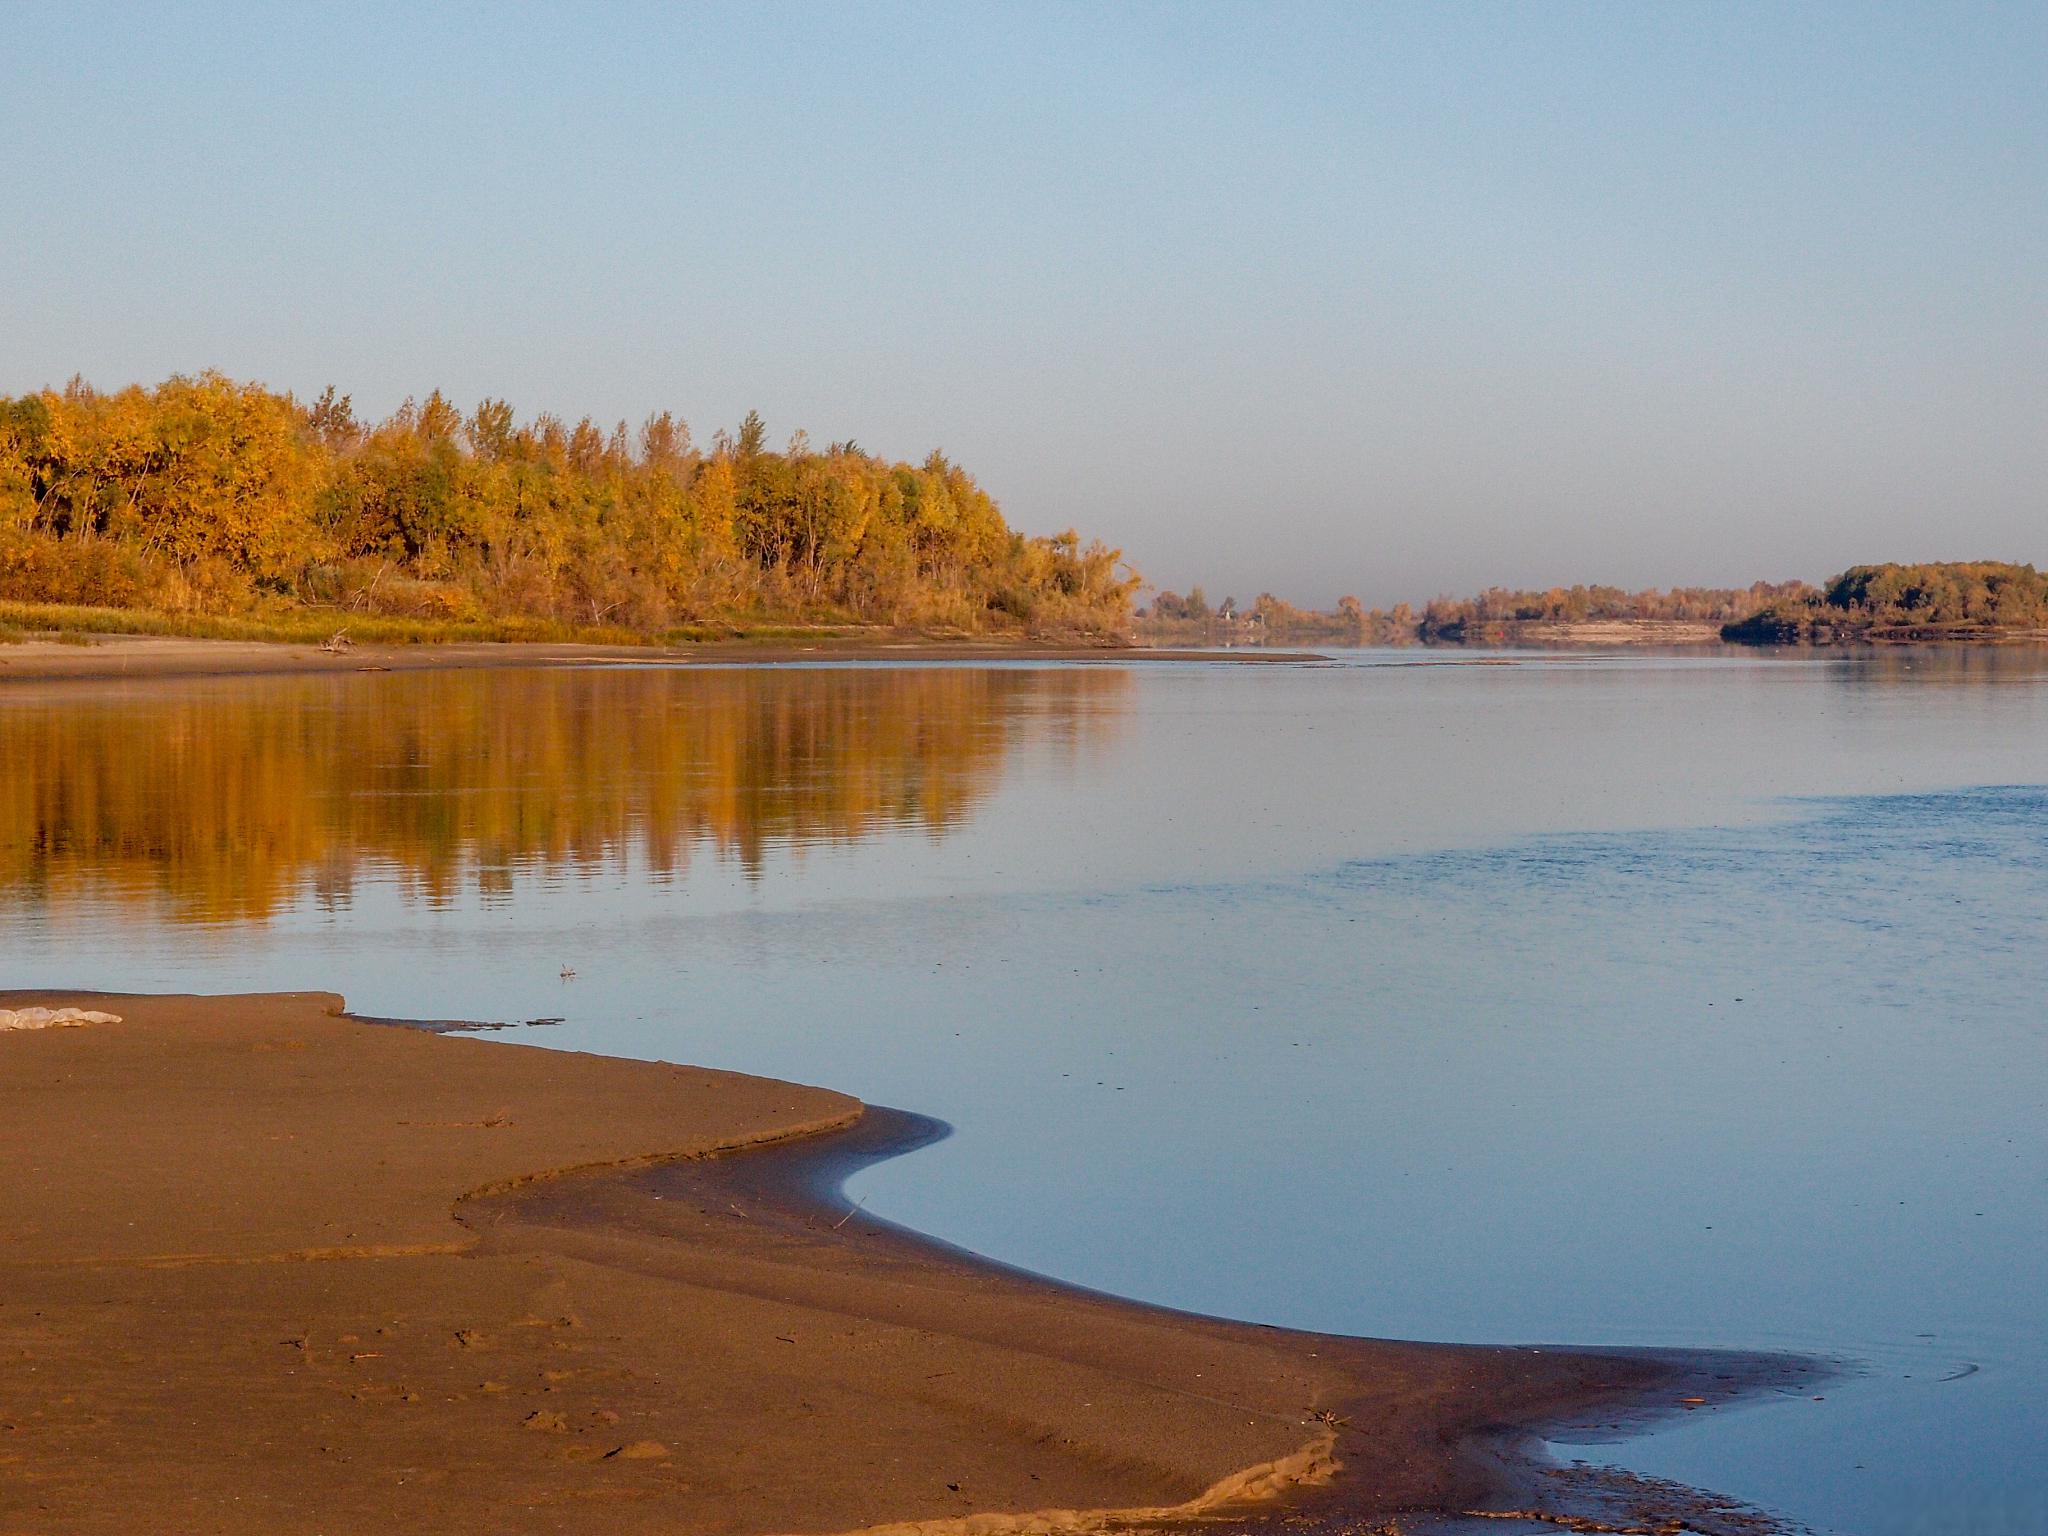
(267, 1268)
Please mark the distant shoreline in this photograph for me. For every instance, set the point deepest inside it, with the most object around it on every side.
(1969, 602)
(1700, 635)
(1715, 636)
(651, 1295)
(1599, 632)
(1602, 633)
(145, 657)
(166, 656)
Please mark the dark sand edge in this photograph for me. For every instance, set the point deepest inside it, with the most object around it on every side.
(137, 657)
(1512, 1480)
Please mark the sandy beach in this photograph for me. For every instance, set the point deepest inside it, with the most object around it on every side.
(266, 1268)
(151, 656)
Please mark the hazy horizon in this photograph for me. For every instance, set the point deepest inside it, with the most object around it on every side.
(1309, 299)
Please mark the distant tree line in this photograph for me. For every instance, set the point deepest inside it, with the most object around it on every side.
(1958, 600)
(1976, 599)
(1446, 618)
(1495, 614)
(204, 494)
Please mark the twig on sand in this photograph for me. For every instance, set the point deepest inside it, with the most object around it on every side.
(842, 1221)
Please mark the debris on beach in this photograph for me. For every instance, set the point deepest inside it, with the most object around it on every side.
(52, 1018)
(639, 1450)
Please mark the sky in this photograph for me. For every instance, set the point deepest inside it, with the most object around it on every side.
(1378, 299)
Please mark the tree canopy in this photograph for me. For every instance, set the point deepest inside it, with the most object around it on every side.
(1957, 599)
(206, 494)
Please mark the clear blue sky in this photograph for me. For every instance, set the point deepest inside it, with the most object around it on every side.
(1381, 299)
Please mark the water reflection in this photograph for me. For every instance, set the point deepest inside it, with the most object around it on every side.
(225, 802)
(1681, 1000)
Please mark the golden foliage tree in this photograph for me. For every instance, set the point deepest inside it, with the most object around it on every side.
(208, 493)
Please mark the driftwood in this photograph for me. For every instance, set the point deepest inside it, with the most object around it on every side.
(52, 1018)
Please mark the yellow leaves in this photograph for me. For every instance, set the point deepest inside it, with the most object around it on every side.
(200, 468)
(222, 489)
(717, 499)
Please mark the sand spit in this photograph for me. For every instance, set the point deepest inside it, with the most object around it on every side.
(267, 1269)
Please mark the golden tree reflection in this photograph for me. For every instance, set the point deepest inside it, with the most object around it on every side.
(226, 801)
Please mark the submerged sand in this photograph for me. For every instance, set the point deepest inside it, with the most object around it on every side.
(264, 1268)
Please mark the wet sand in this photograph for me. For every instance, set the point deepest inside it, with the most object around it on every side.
(264, 1268)
(147, 656)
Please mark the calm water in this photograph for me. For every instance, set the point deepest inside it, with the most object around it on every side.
(1615, 1000)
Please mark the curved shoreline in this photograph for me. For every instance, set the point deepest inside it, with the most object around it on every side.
(662, 1315)
(801, 1181)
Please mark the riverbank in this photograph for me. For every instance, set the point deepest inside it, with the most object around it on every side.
(1589, 633)
(270, 1269)
(162, 656)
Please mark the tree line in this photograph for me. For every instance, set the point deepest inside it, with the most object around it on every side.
(1942, 600)
(1496, 608)
(204, 494)
(1497, 613)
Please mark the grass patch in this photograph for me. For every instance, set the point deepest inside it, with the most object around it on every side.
(69, 624)
(299, 626)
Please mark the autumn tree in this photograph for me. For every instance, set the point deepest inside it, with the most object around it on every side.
(206, 492)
